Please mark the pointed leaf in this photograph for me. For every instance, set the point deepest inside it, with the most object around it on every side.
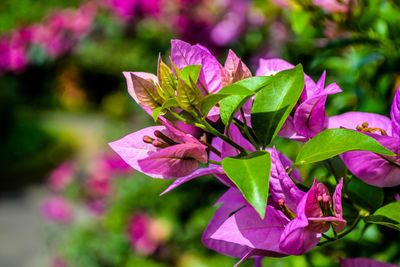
(251, 175)
(233, 89)
(146, 92)
(273, 104)
(388, 215)
(166, 79)
(332, 142)
(192, 71)
(231, 104)
(188, 97)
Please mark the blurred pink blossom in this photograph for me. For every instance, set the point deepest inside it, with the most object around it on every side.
(146, 233)
(333, 6)
(62, 176)
(127, 9)
(56, 209)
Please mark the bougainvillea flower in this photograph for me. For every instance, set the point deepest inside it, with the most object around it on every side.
(364, 262)
(374, 169)
(309, 114)
(161, 151)
(184, 54)
(315, 212)
(213, 76)
(292, 225)
(56, 209)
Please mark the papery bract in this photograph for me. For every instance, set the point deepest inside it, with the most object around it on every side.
(175, 154)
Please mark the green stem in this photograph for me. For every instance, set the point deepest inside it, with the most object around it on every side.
(214, 162)
(204, 125)
(212, 130)
(246, 130)
(332, 169)
(349, 230)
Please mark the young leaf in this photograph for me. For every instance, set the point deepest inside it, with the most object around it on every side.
(167, 79)
(146, 92)
(188, 97)
(332, 142)
(251, 175)
(388, 215)
(192, 71)
(231, 104)
(273, 104)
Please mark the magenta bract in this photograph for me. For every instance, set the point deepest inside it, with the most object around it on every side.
(161, 151)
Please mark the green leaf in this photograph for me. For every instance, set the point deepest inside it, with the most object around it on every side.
(191, 71)
(273, 104)
(156, 112)
(332, 142)
(388, 215)
(172, 102)
(231, 104)
(233, 89)
(189, 98)
(382, 220)
(251, 175)
(391, 210)
(365, 195)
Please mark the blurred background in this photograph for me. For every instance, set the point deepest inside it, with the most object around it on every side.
(67, 200)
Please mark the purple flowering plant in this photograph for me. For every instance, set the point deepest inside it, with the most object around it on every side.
(221, 120)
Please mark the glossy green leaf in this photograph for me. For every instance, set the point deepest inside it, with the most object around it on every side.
(388, 215)
(273, 104)
(365, 195)
(191, 72)
(332, 142)
(391, 210)
(156, 113)
(233, 89)
(172, 102)
(231, 104)
(251, 175)
(383, 220)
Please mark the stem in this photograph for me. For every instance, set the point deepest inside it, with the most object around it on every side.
(350, 229)
(332, 169)
(212, 130)
(246, 130)
(214, 162)
(204, 125)
(328, 237)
